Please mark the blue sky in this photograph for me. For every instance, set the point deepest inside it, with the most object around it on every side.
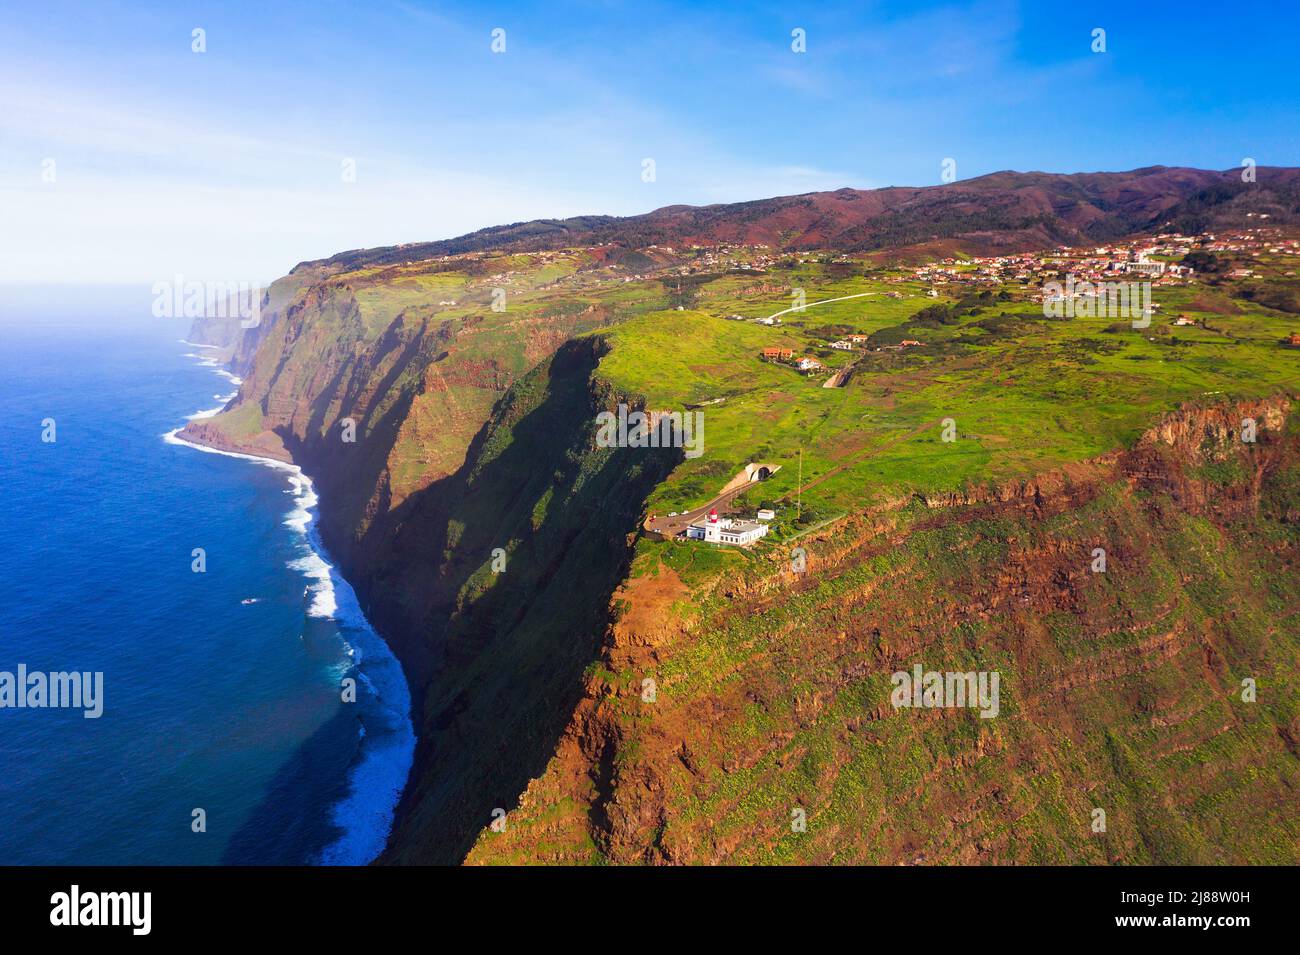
(227, 165)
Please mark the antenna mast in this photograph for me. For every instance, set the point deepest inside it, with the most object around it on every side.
(799, 505)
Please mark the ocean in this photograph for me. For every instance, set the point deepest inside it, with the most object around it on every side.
(223, 691)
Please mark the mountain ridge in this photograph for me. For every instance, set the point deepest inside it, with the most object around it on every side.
(1030, 209)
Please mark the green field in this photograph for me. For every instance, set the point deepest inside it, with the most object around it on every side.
(1025, 393)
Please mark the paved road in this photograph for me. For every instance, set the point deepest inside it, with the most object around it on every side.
(670, 527)
(825, 301)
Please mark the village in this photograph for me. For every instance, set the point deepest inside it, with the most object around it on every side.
(1089, 273)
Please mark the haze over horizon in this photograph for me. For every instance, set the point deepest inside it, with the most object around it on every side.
(152, 178)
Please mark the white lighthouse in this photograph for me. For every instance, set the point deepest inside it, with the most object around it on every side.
(715, 530)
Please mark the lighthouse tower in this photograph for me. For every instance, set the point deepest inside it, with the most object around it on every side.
(712, 529)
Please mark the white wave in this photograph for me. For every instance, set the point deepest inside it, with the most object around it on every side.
(212, 412)
(210, 361)
(378, 776)
(376, 781)
(321, 588)
(304, 501)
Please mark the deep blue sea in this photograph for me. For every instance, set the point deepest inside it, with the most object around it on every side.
(222, 690)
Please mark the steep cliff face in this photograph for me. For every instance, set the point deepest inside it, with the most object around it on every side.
(769, 735)
(238, 328)
(505, 573)
(376, 385)
(347, 398)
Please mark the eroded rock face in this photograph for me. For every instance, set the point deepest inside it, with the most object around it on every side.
(377, 399)
(1188, 429)
(1121, 687)
(1212, 459)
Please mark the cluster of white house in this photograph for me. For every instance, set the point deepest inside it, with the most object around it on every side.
(726, 530)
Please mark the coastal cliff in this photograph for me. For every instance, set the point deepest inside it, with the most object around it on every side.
(1101, 529)
(465, 502)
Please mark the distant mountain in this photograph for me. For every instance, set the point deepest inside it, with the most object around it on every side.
(1002, 211)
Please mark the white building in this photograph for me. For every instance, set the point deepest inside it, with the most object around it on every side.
(715, 530)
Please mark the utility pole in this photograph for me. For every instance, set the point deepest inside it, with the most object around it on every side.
(799, 505)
